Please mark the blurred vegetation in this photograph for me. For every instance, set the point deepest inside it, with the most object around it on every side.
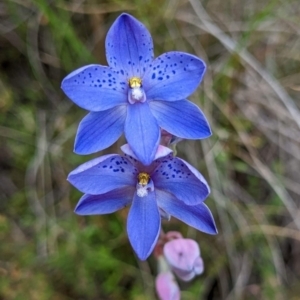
(250, 94)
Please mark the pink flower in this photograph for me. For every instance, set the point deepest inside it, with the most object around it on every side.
(166, 286)
(183, 256)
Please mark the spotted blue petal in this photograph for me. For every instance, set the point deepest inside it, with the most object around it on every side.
(129, 46)
(95, 87)
(180, 179)
(104, 174)
(173, 76)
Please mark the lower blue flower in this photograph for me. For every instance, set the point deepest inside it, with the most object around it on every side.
(169, 186)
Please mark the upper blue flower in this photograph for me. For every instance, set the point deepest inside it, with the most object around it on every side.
(136, 94)
(168, 186)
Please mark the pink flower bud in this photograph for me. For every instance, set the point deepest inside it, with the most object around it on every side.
(166, 287)
(168, 139)
(171, 235)
(183, 255)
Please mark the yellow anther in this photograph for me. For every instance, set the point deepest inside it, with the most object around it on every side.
(143, 178)
(135, 82)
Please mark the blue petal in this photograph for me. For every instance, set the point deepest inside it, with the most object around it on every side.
(95, 87)
(169, 116)
(197, 216)
(129, 46)
(105, 203)
(99, 130)
(142, 132)
(143, 225)
(176, 176)
(104, 174)
(173, 76)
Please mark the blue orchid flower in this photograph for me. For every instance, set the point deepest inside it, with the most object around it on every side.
(136, 94)
(169, 186)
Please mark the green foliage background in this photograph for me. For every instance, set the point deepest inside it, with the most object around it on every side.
(250, 95)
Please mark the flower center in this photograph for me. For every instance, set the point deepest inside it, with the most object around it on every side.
(136, 92)
(143, 178)
(144, 184)
(135, 82)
